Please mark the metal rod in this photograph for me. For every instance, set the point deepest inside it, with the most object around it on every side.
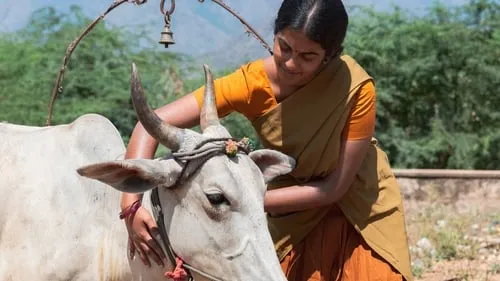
(72, 46)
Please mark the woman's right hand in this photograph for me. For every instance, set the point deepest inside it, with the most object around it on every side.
(144, 237)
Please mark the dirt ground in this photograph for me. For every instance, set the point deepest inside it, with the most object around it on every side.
(452, 240)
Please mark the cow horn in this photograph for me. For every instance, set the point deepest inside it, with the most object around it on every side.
(208, 115)
(166, 134)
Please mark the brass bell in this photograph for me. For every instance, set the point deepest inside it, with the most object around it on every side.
(166, 37)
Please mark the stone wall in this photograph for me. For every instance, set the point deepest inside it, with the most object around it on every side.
(468, 187)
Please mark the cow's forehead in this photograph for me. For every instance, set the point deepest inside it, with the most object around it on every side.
(230, 174)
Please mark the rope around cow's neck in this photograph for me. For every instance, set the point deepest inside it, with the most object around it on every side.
(228, 146)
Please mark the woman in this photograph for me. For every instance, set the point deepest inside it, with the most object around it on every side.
(338, 215)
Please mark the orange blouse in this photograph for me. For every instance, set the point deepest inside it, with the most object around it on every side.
(248, 91)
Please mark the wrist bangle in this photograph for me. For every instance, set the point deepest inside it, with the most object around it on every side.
(130, 209)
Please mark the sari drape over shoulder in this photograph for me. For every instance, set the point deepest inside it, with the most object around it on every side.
(308, 126)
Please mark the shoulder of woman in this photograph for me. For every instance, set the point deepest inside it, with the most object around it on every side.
(255, 75)
(253, 68)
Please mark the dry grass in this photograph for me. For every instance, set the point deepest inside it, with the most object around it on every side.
(454, 240)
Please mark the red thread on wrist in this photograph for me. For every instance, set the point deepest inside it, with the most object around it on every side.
(130, 209)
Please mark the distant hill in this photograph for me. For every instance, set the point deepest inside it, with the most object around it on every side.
(202, 30)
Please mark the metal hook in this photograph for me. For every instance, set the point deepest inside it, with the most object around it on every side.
(162, 8)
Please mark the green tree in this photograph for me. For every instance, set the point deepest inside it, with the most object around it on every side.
(437, 83)
(436, 75)
(98, 76)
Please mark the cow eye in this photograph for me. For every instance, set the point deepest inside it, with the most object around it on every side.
(217, 199)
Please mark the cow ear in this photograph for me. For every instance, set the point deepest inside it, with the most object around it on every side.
(272, 163)
(134, 175)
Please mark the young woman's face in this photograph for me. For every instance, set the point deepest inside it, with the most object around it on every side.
(297, 58)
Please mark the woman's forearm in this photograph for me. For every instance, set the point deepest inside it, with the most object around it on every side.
(141, 145)
(295, 198)
(322, 192)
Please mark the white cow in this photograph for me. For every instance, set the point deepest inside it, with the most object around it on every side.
(213, 203)
(54, 224)
(59, 226)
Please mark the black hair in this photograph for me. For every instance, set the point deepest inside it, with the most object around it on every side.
(322, 21)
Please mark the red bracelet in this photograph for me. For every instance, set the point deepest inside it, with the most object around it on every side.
(130, 209)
